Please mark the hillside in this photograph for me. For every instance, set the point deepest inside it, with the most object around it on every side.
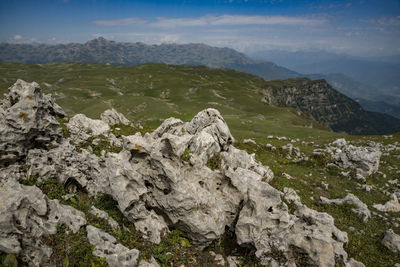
(89, 192)
(368, 96)
(326, 105)
(157, 91)
(101, 50)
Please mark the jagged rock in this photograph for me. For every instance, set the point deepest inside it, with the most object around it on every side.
(67, 165)
(360, 209)
(290, 195)
(365, 160)
(27, 120)
(27, 214)
(158, 184)
(113, 117)
(392, 205)
(82, 128)
(249, 141)
(103, 215)
(265, 223)
(391, 241)
(106, 246)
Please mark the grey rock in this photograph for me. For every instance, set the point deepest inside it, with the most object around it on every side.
(82, 128)
(103, 215)
(391, 241)
(26, 214)
(249, 141)
(392, 205)
(106, 246)
(360, 209)
(27, 120)
(365, 160)
(265, 223)
(113, 117)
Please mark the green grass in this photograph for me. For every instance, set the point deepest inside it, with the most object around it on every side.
(86, 88)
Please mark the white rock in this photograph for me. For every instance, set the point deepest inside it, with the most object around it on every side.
(360, 209)
(113, 117)
(392, 205)
(81, 128)
(106, 246)
(391, 241)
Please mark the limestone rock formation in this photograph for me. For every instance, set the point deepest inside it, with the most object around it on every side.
(27, 120)
(113, 117)
(106, 246)
(81, 128)
(360, 209)
(365, 160)
(184, 175)
(391, 241)
(392, 205)
(26, 214)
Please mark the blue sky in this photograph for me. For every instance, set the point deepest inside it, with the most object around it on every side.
(362, 27)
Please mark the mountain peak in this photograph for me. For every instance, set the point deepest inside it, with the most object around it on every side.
(98, 40)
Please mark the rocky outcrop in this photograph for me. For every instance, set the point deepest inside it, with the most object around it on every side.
(106, 246)
(27, 120)
(26, 214)
(391, 241)
(360, 208)
(392, 205)
(184, 175)
(266, 224)
(113, 117)
(364, 160)
(81, 128)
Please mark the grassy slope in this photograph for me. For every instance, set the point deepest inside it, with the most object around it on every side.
(191, 90)
(136, 93)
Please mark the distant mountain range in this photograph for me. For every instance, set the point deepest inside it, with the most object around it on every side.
(380, 77)
(102, 50)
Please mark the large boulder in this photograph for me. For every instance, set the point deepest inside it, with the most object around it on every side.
(26, 214)
(27, 120)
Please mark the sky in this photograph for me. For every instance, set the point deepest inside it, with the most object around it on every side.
(359, 28)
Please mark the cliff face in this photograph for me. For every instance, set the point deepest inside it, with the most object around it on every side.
(326, 105)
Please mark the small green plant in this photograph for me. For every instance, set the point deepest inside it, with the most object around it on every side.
(8, 260)
(186, 155)
(102, 144)
(64, 128)
(22, 115)
(214, 163)
(122, 129)
(72, 249)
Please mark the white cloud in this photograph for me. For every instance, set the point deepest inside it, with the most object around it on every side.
(213, 20)
(120, 22)
(17, 37)
(236, 20)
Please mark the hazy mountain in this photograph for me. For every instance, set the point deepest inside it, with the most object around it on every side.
(102, 50)
(382, 75)
(361, 93)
